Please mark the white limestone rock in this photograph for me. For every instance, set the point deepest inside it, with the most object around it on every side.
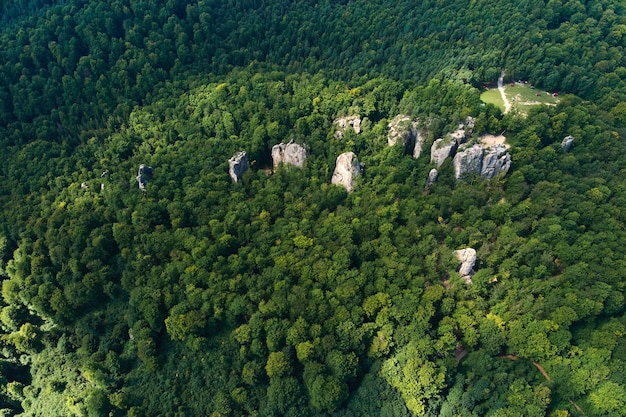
(238, 165)
(467, 257)
(347, 169)
(290, 153)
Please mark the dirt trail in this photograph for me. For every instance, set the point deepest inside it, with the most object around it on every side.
(507, 105)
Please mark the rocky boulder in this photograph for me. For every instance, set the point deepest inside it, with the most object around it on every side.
(143, 174)
(238, 165)
(347, 169)
(467, 161)
(495, 161)
(467, 257)
(345, 123)
(567, 142)
(432, 177)
(291, 153)
(441, 149)
(403, 130)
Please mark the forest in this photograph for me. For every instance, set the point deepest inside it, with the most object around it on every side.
(177, 291)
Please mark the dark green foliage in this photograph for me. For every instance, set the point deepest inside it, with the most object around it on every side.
(282, 294)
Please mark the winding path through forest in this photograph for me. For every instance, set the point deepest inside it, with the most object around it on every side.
(507, 105)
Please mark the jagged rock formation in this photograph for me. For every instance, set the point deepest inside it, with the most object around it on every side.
(346, 122)
(496, 160)
(347, 169)
(467, 257)
(291, 153)
(567, 142)
(467, 161)
(238, 165)
(402, 129)
(441, 149)
(432, 177)
(142, 176)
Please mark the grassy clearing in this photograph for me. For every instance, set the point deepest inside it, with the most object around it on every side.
(493, 96)
(521, 96)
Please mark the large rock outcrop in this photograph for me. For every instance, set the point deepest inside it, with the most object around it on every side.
(567, 143)
(290, 153)
(496, 161)
(488, 162)
(441, 149)
(344, 123)
(467, 161)
(347, 169)
(238, 165)
(402, 130)
(467, 257)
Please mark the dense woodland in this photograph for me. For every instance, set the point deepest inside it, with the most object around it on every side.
(284, 295)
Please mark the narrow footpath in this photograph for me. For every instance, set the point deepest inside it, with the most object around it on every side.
(507, 105)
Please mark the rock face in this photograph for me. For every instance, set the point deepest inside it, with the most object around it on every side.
(567, 142)
(467, 257)
(403, 130)
(496, 160)
(488, 162)
(432, 177)
(441, 149)
(143, 174)
(347, 169)
(467, 161)
(346, 122)
(291, 153)
(238, 165)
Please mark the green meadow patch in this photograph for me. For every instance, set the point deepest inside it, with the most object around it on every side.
(521, 97)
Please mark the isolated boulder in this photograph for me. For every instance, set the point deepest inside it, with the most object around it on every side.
(441, 149)
(347, 168)
(567, 142)
(238, 165)
(345, 123)
(403, 130)
(496, 160)
(467, 257)
(143, 174)
(291, 153)
(432, 177)
(467, 161)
